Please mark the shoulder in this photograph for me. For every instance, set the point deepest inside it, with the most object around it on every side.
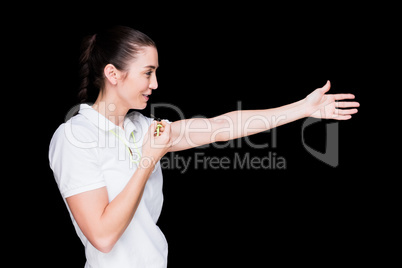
(74, 157)
(76, 133)
(137, 117)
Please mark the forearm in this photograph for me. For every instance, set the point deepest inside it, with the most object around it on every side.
(120, 211)
(243, 123)
(195, 132)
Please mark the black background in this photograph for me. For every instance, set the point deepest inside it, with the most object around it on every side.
(210, 58)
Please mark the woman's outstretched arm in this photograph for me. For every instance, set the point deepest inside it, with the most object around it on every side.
(195, 132)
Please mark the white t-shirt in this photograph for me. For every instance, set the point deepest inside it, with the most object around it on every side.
(84, 155)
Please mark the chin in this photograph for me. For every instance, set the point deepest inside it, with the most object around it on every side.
(137, 105)
(140, 107)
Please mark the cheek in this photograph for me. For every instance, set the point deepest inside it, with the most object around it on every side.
(135, 87)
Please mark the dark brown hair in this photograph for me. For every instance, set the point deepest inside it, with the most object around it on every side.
(118, 46)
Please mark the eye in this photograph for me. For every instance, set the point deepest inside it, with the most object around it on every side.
(148, 73)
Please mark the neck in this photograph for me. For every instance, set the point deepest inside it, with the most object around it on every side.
(111, 110)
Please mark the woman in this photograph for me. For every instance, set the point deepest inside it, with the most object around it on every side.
(105, 161)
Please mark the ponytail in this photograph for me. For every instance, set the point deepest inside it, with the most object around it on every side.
(86, 49)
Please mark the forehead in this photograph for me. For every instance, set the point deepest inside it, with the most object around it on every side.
(147, 56)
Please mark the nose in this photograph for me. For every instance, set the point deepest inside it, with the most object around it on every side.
(154, 83)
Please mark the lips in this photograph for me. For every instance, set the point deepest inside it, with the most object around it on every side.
(146, 96)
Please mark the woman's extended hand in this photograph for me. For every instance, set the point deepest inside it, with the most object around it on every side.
(329, 106)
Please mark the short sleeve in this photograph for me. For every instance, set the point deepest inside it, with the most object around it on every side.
(74, 159)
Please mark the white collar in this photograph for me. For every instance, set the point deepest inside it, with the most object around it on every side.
(102, 122)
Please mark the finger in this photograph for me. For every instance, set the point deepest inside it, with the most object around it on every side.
(163, 123)
(346, 111)
(161, 130)
(326, 87)
(152, 127)
(342, 117)
(346, 104)
(166, 126)
(344, 96)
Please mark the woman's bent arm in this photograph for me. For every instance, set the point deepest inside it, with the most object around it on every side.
(102, 222)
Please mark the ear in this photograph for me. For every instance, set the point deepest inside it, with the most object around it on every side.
(111, 73)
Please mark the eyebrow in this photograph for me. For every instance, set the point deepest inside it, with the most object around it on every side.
(150, 66)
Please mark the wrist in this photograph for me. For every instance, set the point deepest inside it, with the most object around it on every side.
(306, 109)
(147, 163)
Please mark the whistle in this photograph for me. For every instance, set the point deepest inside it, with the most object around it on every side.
(158, 126)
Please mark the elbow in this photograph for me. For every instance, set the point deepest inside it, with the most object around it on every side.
(104, 245)
(221, 130)
(104, 248)
(221, 137)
